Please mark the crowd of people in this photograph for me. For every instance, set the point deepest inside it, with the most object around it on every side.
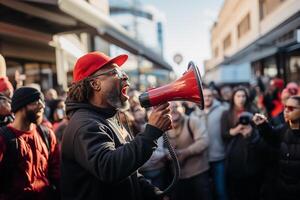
(97, 142)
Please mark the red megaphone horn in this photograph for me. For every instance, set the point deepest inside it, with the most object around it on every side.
(186, 88)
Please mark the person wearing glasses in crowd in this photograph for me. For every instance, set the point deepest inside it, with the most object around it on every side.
(285, 139)
(100, 159)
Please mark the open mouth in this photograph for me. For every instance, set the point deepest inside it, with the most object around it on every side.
(124, 91)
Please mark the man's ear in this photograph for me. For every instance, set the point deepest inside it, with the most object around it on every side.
(95, 84)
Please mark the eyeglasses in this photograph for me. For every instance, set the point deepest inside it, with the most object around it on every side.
(291, 108)
(120, 74)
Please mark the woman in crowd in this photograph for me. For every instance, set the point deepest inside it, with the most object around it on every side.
(285, 139)
(243, 147)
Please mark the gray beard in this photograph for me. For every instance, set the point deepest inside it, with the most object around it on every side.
(115, 101)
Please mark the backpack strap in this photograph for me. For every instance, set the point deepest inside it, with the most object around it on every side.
(10, 158)
(189, 128)
(44, 132)
(8, 135)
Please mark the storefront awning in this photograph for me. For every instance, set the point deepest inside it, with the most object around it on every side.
(109, 30)
(44, 18)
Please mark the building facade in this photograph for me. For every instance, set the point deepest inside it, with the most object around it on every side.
(253, 38)
(41, 39)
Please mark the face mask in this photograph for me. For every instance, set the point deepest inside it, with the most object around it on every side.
(60, 113)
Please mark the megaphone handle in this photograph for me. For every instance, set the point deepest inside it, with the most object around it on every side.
(175, 164)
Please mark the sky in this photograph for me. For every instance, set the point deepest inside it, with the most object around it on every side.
(187, 29)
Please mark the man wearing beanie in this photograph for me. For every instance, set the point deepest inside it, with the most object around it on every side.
(100, 159)
(29, 154)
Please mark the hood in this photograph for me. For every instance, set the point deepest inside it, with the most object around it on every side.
(72, 107)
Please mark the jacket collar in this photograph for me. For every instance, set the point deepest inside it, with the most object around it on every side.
(72, 107)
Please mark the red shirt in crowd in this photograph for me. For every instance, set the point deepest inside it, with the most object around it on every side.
(36, 166)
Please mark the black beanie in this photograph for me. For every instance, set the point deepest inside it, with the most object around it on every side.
(24, 96)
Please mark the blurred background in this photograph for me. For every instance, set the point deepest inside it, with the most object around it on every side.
(233, 42)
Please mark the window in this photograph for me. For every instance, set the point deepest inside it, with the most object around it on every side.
(244, 26)
(268, 6)
(227, 42)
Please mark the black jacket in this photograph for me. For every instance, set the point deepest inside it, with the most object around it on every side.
(100, 159)
(287, 174)
(244, 156)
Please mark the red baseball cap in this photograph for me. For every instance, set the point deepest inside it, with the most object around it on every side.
(92, 62)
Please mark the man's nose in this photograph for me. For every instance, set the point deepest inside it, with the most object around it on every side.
(124, 76)
(41, 104)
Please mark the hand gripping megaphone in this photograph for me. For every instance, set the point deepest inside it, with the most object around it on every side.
(186, 88)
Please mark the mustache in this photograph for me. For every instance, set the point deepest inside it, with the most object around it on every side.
(124, 83)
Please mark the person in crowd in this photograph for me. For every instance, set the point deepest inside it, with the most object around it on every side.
(6, 87)
(226, 94)
(243, 148)
(100, 159)
(286, 140)
(134, 119)
(50, 96)
(290, 90)
(272, 100)
(216, 90)
(190, 141)
(58, 117)
(6, 117)
(155, 169)
(140, 118)
(189, 107)
(29, 154)
(257, 93)
(134, 99)
(211, 116)
(57, 111)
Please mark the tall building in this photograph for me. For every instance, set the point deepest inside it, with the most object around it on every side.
(145, 24)
(255, 37)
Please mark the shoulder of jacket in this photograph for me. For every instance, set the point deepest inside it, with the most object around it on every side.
(195, 121)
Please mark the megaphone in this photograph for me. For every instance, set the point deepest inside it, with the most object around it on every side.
(186, 88)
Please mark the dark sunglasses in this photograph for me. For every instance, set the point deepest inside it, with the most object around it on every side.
(291, 108)
(120, 74)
